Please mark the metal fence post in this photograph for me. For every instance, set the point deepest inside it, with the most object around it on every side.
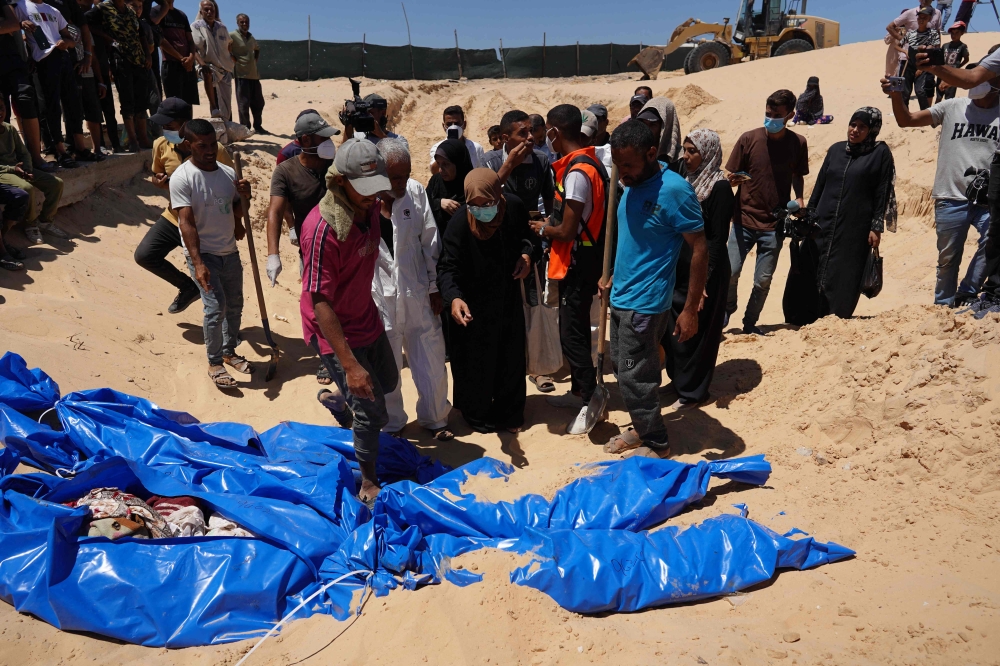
(409, 40)
(458, 55)
(543, 55)
(503, 61)
(578, 58)
(309, 46)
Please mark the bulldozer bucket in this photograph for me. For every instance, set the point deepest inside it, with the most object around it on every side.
(649, 60)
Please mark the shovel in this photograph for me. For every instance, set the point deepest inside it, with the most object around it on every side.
(599, 401)
(272, 365)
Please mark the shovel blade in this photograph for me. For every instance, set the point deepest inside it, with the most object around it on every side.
(595, 409)
(272, 366)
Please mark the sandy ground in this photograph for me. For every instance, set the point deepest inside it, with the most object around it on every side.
(883, 430)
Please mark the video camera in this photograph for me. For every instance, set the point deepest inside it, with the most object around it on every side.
(357, 112)
(795, 222)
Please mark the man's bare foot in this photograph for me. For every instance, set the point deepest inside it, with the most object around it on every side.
(369, 491)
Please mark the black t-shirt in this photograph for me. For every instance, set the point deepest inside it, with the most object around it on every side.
(70, 10)
(385, 223)
(11, 56)
(953, 53)
(175, 28)
(528, 180)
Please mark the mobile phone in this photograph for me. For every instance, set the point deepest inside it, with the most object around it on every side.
(897, 84)
(935, 56)
(739, 177)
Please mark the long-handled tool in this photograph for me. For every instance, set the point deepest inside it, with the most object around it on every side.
(272, 365)
(599, 401)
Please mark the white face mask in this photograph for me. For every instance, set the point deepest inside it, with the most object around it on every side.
(548, 143)
(326, 150)
(980, 91)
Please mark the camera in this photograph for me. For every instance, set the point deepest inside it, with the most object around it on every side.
(357, 112)
(795, 223)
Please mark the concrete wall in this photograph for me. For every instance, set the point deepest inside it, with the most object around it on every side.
(115, 170)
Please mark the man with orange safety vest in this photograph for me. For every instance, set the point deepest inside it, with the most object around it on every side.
(576, 233)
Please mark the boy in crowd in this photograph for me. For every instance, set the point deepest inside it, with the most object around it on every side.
(44, 189)
(178, 70)
(493, 134)
(206, 198)
(956, 54)
(777, 159)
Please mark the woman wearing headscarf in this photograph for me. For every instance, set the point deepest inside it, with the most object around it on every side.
(446, 188)
(660, 117)
(855, 201)
(487, 248)
(691, 364)
(809, 107)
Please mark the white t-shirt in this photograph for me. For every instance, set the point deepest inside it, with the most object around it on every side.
(578, 188)
(968, 139)
(210, 195)
(49, 22)
(604, 154)
(475, 152)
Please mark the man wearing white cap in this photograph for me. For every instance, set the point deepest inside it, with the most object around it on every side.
(406, 283)
(340, 247)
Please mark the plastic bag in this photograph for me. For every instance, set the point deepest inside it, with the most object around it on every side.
(871, 279)
(541, 323)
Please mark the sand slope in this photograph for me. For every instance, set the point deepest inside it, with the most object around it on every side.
(883, 430)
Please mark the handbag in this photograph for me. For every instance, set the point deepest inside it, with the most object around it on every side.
(541, 324)
(871, 278)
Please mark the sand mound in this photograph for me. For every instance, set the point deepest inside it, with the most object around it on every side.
(883, 430)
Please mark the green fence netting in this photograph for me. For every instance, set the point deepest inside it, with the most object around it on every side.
(301, 60)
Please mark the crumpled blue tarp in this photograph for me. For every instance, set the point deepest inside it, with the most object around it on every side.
(293, 486)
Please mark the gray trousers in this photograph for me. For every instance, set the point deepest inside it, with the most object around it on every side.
(635, 356)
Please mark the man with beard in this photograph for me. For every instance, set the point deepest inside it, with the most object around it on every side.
(406, 284)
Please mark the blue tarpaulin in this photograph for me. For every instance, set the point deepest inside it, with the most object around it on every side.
(293, 487)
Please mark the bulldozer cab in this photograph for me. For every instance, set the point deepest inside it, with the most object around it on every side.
(763, 18)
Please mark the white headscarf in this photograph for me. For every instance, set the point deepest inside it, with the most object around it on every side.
(670, 137)
(704, 178)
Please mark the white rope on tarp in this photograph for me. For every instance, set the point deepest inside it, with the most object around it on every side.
(275, 628)
(50, 409)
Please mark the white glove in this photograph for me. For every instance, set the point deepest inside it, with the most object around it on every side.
(273, 268)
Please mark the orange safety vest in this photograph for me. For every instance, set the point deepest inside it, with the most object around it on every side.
(561, 254)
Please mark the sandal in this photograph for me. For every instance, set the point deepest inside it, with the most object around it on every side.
(9, 263)
(543, 383)
(323, 377)
(239, 364)
(66, 162)
(221, 376)
(660, 452)
(629, 440)
(16, 253)
(443, 434)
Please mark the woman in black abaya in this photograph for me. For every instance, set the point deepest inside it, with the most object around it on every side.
(855, 201)
(691, 364)
(445, 190)
(487, 250)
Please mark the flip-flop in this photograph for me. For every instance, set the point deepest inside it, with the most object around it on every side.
(323, 377)
(661, 452)
(443, 434)
(543, 383)
(629, 440)
(9, 263)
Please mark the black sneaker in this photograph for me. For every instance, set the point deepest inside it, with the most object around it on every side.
(183, 300)
(261, 130)
(749, 329)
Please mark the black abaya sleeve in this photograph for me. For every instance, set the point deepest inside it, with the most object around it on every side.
(436, 192)
(886, 175)
(448, 269)
(517, 218)
(717, 210)
(821, 179)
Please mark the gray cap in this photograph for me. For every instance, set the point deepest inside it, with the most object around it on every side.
(313, 123)
(598, 110)
(359, 161)
(638, 98)
(589, 124)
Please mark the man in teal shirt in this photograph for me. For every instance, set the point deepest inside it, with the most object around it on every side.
(657, 214)
(249, 94)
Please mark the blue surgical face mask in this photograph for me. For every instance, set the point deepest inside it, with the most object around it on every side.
(484, 214)
(172, 136)
(774, 125)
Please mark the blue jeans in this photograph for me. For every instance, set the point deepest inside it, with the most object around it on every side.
(952, 219)
(741, 241)
(223, 306)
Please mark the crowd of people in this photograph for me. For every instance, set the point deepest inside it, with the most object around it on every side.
(58, 62)
(442, 274)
